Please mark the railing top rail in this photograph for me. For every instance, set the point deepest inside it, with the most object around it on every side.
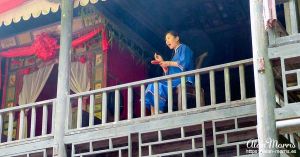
(16, 108)
(132, 84)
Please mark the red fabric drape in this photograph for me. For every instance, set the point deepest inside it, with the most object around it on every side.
(85, 38)
(18, 52)
(6, 5)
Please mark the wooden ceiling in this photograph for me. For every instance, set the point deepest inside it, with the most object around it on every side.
(219, 27)
(205, 25)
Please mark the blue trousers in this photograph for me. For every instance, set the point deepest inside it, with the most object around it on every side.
(162, 93)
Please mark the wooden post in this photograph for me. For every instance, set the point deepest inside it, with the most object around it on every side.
(63, 88)
(264, 81)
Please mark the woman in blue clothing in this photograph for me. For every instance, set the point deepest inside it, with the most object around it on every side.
(182, 60)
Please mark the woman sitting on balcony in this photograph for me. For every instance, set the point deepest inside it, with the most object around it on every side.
(182, 60)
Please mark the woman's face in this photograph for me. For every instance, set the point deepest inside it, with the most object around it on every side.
(172, 41)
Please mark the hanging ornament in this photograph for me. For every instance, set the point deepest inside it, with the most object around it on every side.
(82, 59)
(45, 47)
(25, 71)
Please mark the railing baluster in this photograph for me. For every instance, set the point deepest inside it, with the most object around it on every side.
(212, 87)
(293, 16)
(69, 115)
(79, 113)
(129, 105)
(73, 150)
(292, 139)
(143, 101)
(214, 139)
(227, 84)
(242, 81)
(203, 139)
(198, 90)
(91, 147)
(284, 84)
(44, 153)
(117, 105)
(120, 153)
(45, 119)
(183, 92)
(10, 126)
(130, 145)
(298, 78)
(298, 143)
(1, 124)
(238, 150)
(104, 107)
(92, 106)
(156, 98)
(150, 150)
(193, 143)
(140, 144)
(170, 96)
(33, 122)
(21, 124)
(53, 116)
(159, 135)
(110, 144)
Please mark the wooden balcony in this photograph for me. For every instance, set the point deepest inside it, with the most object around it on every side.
(222, 126)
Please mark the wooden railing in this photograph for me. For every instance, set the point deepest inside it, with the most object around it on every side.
(19, 115)
(211, 94)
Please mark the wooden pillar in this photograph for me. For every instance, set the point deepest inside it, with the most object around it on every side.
(264, 81)
(63, 88)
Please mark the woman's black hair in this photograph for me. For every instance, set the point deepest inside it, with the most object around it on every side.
(172, 32)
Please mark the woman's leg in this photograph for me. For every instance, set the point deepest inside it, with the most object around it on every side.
(149, 96)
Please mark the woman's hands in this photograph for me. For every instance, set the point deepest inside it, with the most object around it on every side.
(164, 64)
(158, 57)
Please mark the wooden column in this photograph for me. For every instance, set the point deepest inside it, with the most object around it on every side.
(63, 88)
(264, 81)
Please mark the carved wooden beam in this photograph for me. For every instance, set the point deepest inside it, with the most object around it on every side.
(124, 29)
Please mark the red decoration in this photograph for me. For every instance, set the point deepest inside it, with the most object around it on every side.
(45, 47)
(25, 71)
(82, 59)
(32, 60)
(18, 52)
(86, 37)
(105, 44)
(15, 62)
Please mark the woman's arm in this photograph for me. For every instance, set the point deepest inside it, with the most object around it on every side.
(168, 63)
